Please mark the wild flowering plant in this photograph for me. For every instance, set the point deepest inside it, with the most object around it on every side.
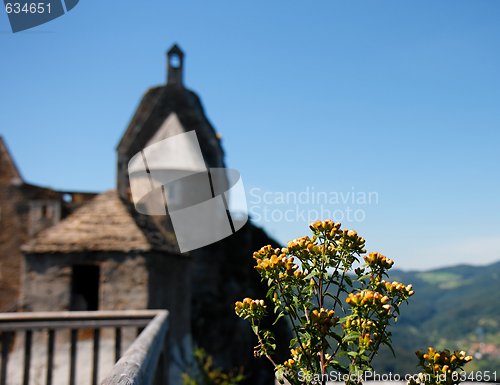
(204, 372)
(339, 313)
(440, 367)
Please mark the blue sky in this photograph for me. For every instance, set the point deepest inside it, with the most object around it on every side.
(400, 98)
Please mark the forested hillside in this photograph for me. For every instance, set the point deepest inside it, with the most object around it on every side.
(456, 307)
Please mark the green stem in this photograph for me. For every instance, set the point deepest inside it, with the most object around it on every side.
(294, 326)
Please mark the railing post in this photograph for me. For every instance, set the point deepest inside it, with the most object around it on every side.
(72, 356)
(118, 343)
(50, 355)
(28, 338)
(95, 360)
(6, 338)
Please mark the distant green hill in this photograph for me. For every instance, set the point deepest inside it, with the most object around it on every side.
(456, 307)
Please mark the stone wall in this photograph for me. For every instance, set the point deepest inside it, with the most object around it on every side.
(123, 282)
(24, 211)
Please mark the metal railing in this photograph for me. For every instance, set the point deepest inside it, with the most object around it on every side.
(136, 366)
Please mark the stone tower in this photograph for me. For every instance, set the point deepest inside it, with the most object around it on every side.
(165, 111)
(222, 272)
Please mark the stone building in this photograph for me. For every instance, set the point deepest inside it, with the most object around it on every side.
(100, 258)
(105, 255)
(25, 210)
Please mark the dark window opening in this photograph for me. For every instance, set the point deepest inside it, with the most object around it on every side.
(84, 288)
(48, 211)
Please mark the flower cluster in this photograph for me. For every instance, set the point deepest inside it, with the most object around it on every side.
(344, 238)
(369, 299)
(327, 226)
(323, 319)
(301, 244)
(359, 324)
(289, 364)
(366, 329)
(250, 308)
(440, 367)
(365, 340)
(295, 352)
(265, 252)
(397, 289)
(379, 265)
(442, 361)
(308, 250)
(375, 260)
(273, 263)
(299, 356)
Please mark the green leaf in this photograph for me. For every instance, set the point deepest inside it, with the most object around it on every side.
(278, 317)
(336, 299)
(388, 344)
(337, 337)
(309, 276)
(351, 336)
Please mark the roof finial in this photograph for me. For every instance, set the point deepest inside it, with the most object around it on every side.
(175, 64)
